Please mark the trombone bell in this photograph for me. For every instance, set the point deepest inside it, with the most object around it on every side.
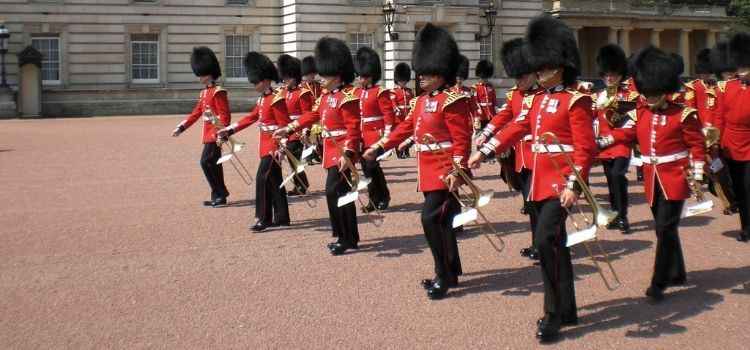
(363, 183)
(485, 197)
(603, 216)
(700, 208)
(238, 147)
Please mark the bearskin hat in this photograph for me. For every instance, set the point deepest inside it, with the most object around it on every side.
(514, 62)
(402, 72)
(367, 63)
(204, 62)
(680, 62)
(289, 67)
(435, 52)
(703, 62)
(739, 50)
(719, 59)
(611, 58)
(484, 69)
(259, 67)
(308, 65)
(332, 58)
(463, 67)
(550, 44)
(655, 71)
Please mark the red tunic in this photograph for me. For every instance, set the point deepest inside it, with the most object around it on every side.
(671, 132)
(298, 101)
(702, 97)
(733, 119)
(400, 96)
(376, 109)
(559, 111)
(444, 115)
(213, 97)
(606, 127)
(271, 114)
(517, 103)
(338, 112)
(314, 87)
(485, 94)
(474, 109)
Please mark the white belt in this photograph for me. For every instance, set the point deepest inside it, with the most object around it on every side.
(485, 104)
(266, 128)
(433, 146)
(664, 159)
(540, 148)
(295, 117)
(372, 119)
(334, 133)
(401, 106)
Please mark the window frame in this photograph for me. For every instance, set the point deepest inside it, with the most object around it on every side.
(243, 75)
(359, 43)
(488, 54)
(56, 38)
(133, 80)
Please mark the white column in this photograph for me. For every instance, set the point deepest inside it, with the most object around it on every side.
(612, 37)
(684, 48)
(655, 36)
(625, 39)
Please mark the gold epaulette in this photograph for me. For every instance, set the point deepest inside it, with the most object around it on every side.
(413, 103)
(349, 98)
(277, 97)
(382, 90)
(528, 101)
(632, 114)
(316, 104)
(219, 89)
(722, 85)
(303, 91)
(509, 94)
(452, 98)
(689, 94)
(576, 96)
(687, 112)
(691, 84)
(633, 96)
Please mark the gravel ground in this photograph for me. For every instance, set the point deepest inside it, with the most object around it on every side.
(105, 243)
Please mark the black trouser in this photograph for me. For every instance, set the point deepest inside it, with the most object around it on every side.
(438, 211)
(525, 176)
(300, 181)
(378, 189)
(669, 265)
(615, 170)
(739, 170)
(343, 219)
(214, 172)
(557, 269)
(270, 201)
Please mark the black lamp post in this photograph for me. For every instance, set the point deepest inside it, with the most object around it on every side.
(389, 14)
(489, 13)
(4, 35)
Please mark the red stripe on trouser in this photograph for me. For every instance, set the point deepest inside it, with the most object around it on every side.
(442, 235)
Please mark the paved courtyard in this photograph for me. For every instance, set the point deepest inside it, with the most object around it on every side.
(104, 243)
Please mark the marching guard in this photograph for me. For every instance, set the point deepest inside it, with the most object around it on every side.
(338, 111)
(552, 53)
(270, 112)
(438, 125)
(299, 100)
(461, 75)
(376, 110)
(401, 96)
(213, 99)
(672, 144)
(612, 105)
(485, 94)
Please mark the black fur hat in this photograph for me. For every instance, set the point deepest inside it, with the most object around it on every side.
(332, 58)
(289, 67)
(611, 58)
(463, 68)
(680, 62)
(308, 65)
(703, 62)
(550, 44)
(367, 63)
(655, 71)
(739, 50)
(435, 52)
(204, 62)
(402, 72)
(484, 69)
(719, 59)
(259, 67)
(514, 62)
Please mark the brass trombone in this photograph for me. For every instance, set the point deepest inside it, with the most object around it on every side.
(476, 197)
(356, 183)
(601, 216)
(718, 176)
(298, 167)
(233, 147)
(703, 205)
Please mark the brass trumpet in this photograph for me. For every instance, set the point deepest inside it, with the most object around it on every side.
(476, 198)
(601, 217)
(298, 167)
(233, 147)
(356, 183)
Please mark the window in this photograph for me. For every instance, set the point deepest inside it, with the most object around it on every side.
(236, 48)
(357, 40)
(236, 2)
(485, 48)
(144, 64)
(49, 47)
